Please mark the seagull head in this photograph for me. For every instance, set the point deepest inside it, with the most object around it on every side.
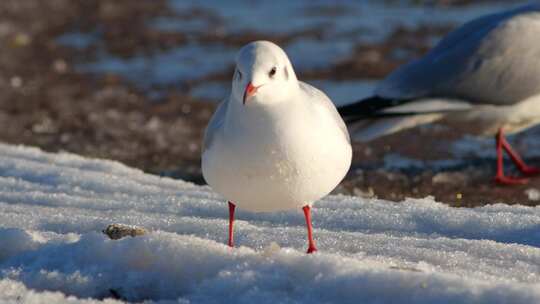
(263, 73)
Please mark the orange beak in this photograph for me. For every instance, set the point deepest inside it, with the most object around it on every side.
(250, 91)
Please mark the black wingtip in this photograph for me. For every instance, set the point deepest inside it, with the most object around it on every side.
(368, 108)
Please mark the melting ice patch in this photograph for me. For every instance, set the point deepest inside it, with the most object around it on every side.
(375, 18)
(77, 40)
(189, 62)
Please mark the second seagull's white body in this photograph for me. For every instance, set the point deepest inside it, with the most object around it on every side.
(270, 156)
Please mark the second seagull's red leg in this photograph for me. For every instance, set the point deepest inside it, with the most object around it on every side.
(307, 214)
(231, 224)
(501, 144)
(518, 161)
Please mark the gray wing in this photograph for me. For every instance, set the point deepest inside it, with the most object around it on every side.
(317, 96)
(492, 59)
(215, 124)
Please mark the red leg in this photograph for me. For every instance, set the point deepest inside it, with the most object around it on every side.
(307, 214)
(518, 161)
(501, 144)
(231, 224)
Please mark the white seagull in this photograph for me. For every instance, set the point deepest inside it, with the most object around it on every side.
(486, 72)
(275, 143)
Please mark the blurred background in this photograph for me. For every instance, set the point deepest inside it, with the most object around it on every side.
(137, 81)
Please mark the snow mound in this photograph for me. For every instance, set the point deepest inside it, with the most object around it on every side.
(53, 207)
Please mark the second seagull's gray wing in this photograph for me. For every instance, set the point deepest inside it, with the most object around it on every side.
(492, 59)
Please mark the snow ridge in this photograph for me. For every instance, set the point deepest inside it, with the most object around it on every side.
(53, 207)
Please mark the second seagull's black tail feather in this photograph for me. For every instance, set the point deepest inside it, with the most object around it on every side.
(371, 107)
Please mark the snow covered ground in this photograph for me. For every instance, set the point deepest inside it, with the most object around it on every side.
(53, 207)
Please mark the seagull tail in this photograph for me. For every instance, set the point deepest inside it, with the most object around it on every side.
(371, 107)
(372, 128)
(374, 117)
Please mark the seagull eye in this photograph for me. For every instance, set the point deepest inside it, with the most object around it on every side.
(272, 72)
